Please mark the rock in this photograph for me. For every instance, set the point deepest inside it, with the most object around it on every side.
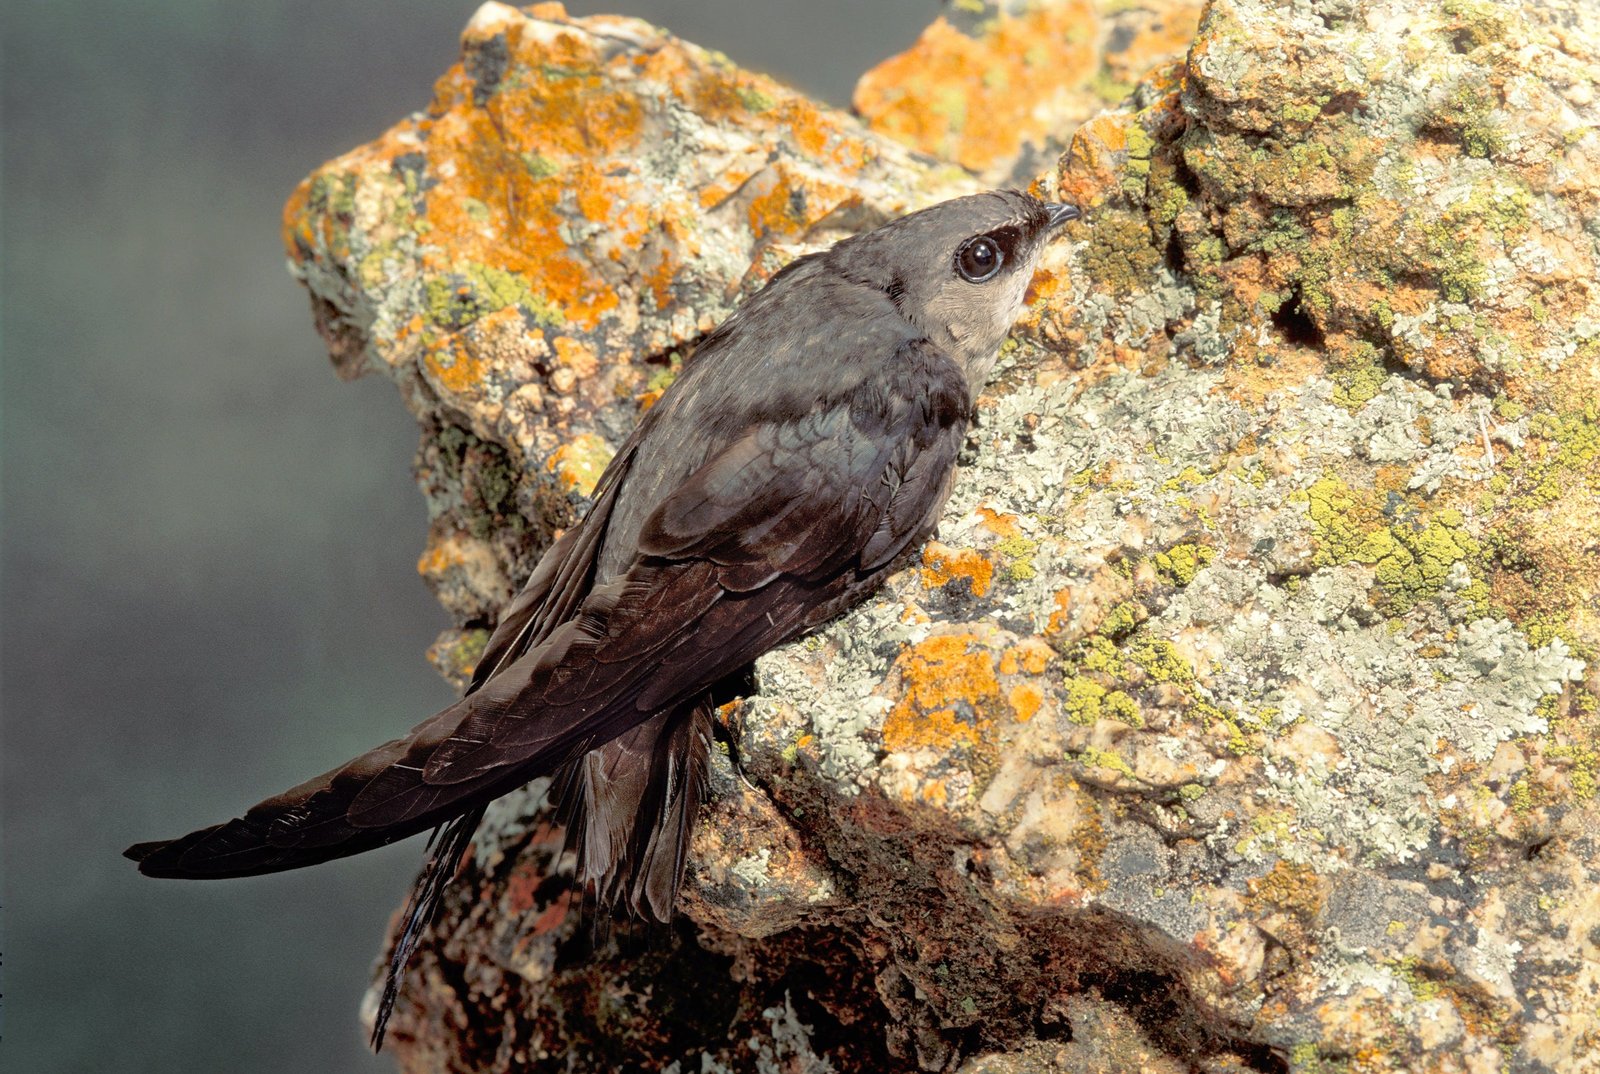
(578, 190)
(997, 86)
(1246, 715)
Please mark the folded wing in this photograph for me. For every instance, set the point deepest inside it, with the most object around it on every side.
(775, 534)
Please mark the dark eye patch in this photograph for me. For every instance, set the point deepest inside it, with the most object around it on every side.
(1008, 238)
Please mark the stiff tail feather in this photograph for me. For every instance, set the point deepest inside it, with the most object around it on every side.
(629, 808)
(447, 846)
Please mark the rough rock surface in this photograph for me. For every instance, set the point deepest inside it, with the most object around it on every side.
(531, 257)
(1245, 716)
(998, 86)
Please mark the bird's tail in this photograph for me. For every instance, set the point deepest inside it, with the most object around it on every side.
(629, 809)
(446, 848)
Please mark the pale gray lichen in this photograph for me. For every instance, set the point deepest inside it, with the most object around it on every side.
(752, 869)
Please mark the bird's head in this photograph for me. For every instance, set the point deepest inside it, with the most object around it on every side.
(958, 270)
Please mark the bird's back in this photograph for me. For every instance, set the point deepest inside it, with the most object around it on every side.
(782, 353)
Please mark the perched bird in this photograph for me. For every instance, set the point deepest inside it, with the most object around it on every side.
(809, 441)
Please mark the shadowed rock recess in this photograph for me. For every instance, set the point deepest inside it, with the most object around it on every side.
(1245, 715)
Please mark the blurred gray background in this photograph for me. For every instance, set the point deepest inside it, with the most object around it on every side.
(208, 586)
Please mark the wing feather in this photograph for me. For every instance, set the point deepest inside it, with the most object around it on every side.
(779, 531)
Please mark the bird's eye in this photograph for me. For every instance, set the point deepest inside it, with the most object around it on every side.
(979, 259)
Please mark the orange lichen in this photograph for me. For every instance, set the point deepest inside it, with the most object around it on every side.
(576, 355)
(1025, 699)
(1391, 478)
(770, 212)
(522, 193)
(942, 564)
(998, 524)
(1061, 614)
(1043, 285)
(974, 100)
(947, 683)
(453, 369)
(580, 461)
(439, 555)
(1031, 655)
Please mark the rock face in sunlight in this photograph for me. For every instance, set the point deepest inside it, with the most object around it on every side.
(999, 87)
(531, 258)
(1246, 713)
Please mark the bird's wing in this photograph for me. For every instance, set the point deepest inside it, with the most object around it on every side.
(564, 574)
(775, 534)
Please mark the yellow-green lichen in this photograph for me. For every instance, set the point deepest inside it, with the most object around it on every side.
(458, 657)
(662, 378)
(1582, 767)
(1123, 618)
(1470, 112)
(1097, 653)
(1187, 478)
(1475, 23)
(755, 100)
(1412, 561)
(1570, 447)
(1523, 796)
(1086, 701)
(333, 193)
(539, 166)
(1017, 553)
(1359, 378)
(1159, 659)
(1180, 563)
(1300, 111)
(1410, 970)
(459, 298)
(1122, 256)
(1164, 194)
(1266, 829)
(1110, 760)
(1136, 170)
(1213, 717)
(1308, 1058)
(1449, 242)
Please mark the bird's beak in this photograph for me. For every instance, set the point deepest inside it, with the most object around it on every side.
(1061, 212)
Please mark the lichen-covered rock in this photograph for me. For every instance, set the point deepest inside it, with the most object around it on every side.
(998, 86)
(1246, 713)
(530, 257)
